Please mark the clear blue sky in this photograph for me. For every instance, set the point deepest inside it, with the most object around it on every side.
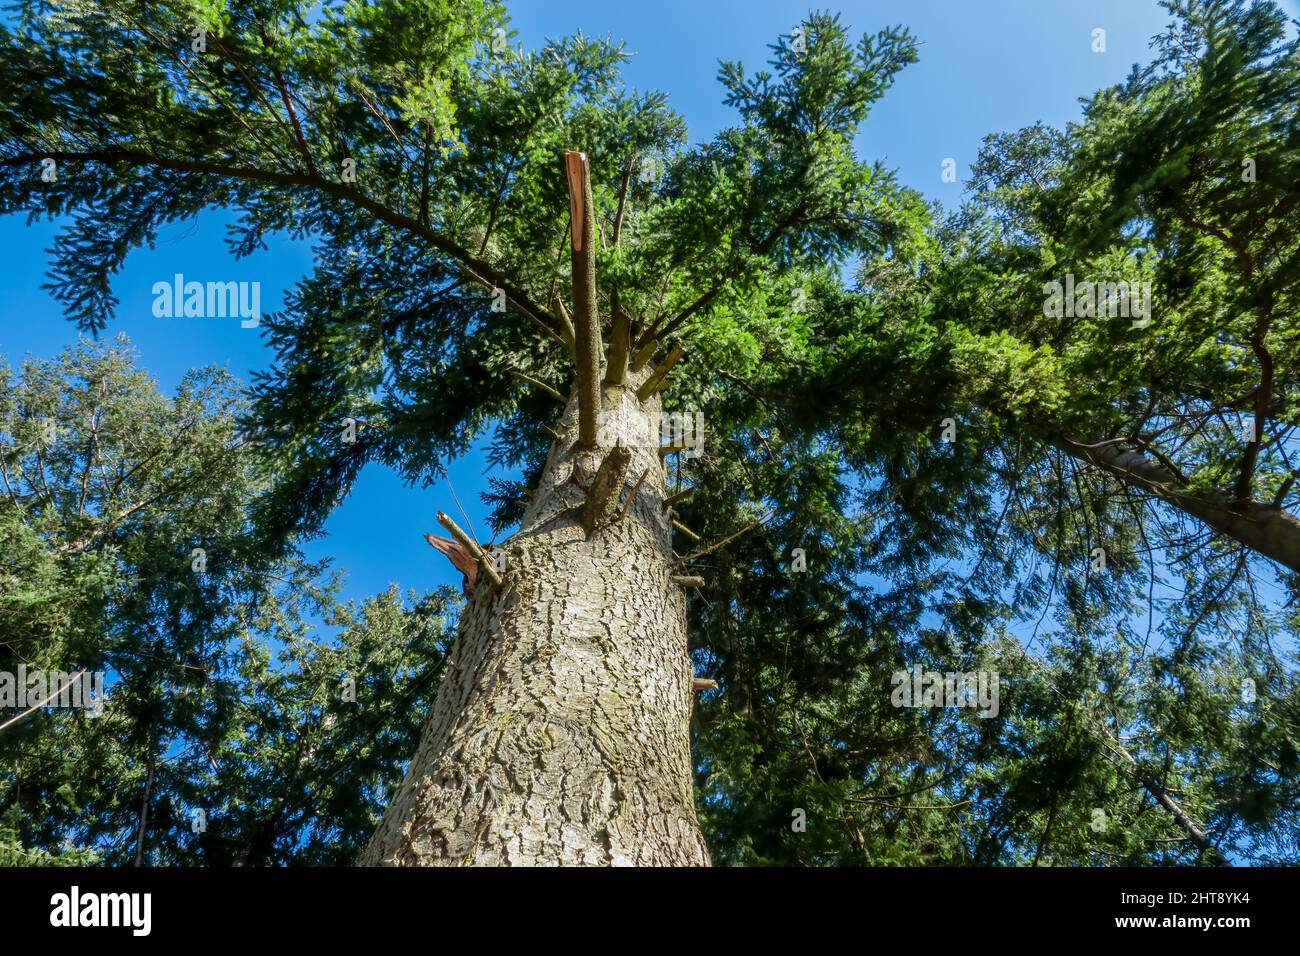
(985, 67)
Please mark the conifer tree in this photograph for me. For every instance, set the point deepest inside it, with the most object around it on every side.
(739, 517)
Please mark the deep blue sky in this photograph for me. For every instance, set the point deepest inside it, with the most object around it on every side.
(985, 67)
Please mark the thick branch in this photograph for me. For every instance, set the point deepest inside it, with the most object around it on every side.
(644, 354)
(1197, 835)
(677, 525)
(678, 497)
(651, 385)
(1161, 795)
(619, 346)
(566, 324)
(476, 269)
(285, 98)
(1269, 531)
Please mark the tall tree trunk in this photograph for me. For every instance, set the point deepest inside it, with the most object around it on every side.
(560, 732)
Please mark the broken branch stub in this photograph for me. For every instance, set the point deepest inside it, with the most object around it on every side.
(469, 545)
(686, 531)
(619, 346)
(677, 498)
(603, 495)
(566, 324)
(643, 355)
(651, 385)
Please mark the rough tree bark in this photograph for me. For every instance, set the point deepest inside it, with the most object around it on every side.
(560, 733)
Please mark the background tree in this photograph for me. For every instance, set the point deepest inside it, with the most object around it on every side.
(224, 700)
(1082, 430)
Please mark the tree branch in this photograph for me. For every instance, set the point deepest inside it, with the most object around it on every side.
(623, 185)
(619, 346)
(1264, 529)
(475, 268)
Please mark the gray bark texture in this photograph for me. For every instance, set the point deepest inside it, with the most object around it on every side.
(560, 732)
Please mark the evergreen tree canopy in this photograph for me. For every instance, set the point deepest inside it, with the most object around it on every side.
(912, 457)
